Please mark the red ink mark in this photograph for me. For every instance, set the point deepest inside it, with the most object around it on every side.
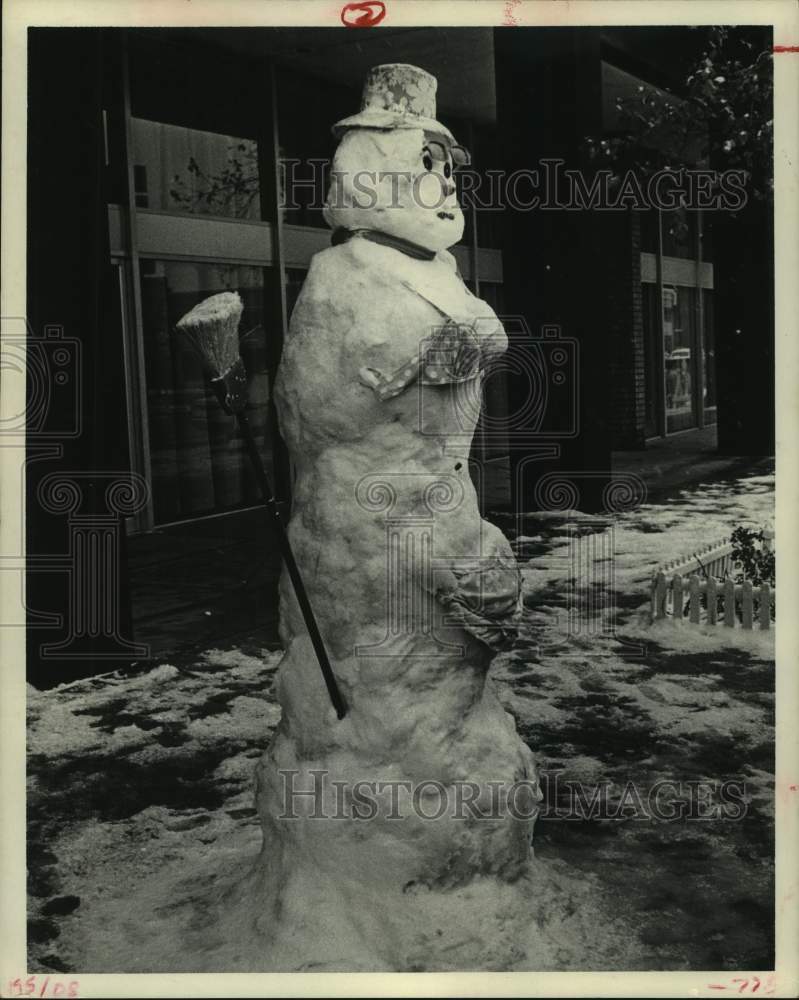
(28, 988)
(363, 14)
(509, 15)
(793, 788)
(785, 48)
(749, 985)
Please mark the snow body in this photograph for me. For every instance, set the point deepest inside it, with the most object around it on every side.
(353, 890)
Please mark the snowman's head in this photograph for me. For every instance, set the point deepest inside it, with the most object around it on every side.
(398, 181)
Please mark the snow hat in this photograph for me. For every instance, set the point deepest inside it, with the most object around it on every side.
(401, 96)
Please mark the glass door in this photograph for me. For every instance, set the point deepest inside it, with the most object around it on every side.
(197, 459)
(678, 331)
(679, 335)
(200, 220)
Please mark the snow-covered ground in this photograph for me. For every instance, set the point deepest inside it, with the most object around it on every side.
(129, 775)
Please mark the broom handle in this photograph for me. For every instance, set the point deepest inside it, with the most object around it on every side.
(293, 569)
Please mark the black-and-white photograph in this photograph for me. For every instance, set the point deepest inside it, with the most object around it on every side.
(396, 448)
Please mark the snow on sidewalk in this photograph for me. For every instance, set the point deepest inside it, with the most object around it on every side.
(650, 718)
(128, 774)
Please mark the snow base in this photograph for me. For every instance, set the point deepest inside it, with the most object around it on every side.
(219, 920)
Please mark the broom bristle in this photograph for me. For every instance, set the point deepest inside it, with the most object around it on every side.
(212, 327)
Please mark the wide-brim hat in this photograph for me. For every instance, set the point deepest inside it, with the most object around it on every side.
(398, 95)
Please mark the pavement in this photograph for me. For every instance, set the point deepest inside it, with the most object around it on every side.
(668, 465)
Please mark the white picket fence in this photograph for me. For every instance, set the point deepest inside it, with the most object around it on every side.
(713, 560)
(680, 580)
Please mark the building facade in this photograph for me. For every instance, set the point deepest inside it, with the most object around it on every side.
(167, 165)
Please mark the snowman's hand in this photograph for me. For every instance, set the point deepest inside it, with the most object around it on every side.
(445, 584)
(492, 338)
(387, 387)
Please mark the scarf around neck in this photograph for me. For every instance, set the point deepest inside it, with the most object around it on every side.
(342, 235)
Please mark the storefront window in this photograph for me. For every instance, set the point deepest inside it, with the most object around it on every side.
(197, 458)
(708, 358)
(679, 231)
(306, 142)
(706, 236)
(179, 169)
(649, 230)
(193, 134)
(485, 153)
(678, 344)
(652, 389)
(295, 277)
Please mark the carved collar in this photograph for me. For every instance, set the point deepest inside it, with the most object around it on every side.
(341, 235)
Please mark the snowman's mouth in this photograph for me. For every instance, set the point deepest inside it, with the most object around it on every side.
(446, 215)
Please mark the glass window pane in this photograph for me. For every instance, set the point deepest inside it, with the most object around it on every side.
(706, 235)
(678, 339)
(295, 278)
(708, 358)
(198, 461)
(179, 169)
(679, 230)
(652, 391)
(196, 110)
(307, 144)
(649, 230)
(486, 156)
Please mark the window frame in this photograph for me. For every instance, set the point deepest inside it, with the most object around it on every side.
(692, 273)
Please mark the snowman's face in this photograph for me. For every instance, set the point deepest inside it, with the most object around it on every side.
(399, 182)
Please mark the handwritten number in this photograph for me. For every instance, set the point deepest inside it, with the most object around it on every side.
(28, 987)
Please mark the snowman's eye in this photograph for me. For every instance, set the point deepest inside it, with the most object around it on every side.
(447, 170)
(427, 160)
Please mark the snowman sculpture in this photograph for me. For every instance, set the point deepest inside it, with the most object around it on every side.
(398, 837)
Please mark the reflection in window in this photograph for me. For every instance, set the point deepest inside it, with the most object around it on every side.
(198, 460)
(653, 393)
(678, 309)
(679, 231)
(307, 144)
(179, 169)
(295, 278)
(649, 230)
(140, 186)
(484, 148)
(708, 358)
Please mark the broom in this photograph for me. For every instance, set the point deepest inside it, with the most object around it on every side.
(212, 329)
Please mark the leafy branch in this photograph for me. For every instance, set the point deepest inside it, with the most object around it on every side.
(230, 192)
(756, 558)
(723, 118)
